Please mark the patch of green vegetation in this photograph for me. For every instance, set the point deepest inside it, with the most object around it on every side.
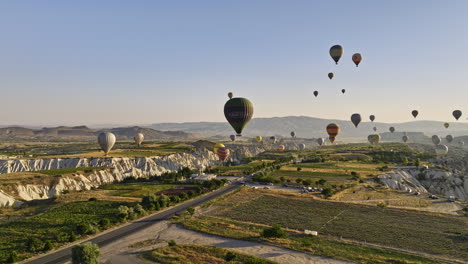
(387, 226)
(314, 245)
(137, 190)
(70, 170)
(199, 254)
(315, 174)
(56, 224)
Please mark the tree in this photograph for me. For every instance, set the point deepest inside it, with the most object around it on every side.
(299, 169)
(321, 182)
(48, 245)
(34, 244)
(298, 180)
(191, 210)
(417, 162)
(87, 253)
(230, 256)
(327, 192)
(307, 182)
(171, 243)
(274, 231)
(104, 223)
(13, 257)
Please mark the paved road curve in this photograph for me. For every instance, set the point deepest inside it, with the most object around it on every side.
(63, 255)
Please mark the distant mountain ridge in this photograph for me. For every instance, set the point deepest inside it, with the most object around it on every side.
(83, 132)
(312, 127)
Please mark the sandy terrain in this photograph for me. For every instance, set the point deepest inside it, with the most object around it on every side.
(119, 252)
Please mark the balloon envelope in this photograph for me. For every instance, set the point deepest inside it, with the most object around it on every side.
(435, 139)
(330, 75)
(238, 112)
(258, 138)
(372, 118)
(273, 139)
(293, 134)
(415, 113)
(392, 129)
(357, 58)
(139, 137)
(441, 150)
(336, 52)
(356, 119)
(332, 130)
(457, 114)
(232, 137)
(106, 141)
(449, 138)
(374, 139)
(315, 93)
(404, 138)
(223, 153)
(230, 95)
(343, 91)
(281, 147)
(302, 146)
(461, 143)
(320, 141)
(374, 128)
(446, 125)
(216, 147)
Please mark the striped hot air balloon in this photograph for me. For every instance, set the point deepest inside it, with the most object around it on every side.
(216, 147)
(223, 153)
(281, 147)
(332, 130)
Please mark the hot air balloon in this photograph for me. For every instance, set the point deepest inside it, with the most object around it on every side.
(223, 153)
(392, 129)
(356, 119)
(461, 143)
(273, 139)
(238, 112)
(374, 139)
(343, 91)
(315, 93)
(281, 147)
(415, 113)
(258, 138)
(446, 125)
(330, 75)
(293, 134)
(332, 130)
(217, 146)
(320, 141)
(230, 95)
(374, 128)
(441, 150)
(336, 52)
(302, 146)
(357, 58)
(372, 118)
(449, 138)
(106, 141)
(435, 139)
(457, 114)
(139, 138)
(232, 137)
(404, 138)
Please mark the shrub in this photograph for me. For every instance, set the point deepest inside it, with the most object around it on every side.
(139, 210)
(72, 237)
(104, 223)
(175, 199)
(171, 243)
(327, 192)
(48, 245)
(381, 205)
(230, 256)
(183, 196)
(307, 182)
(13, 257)
(321, 182)
(298, 180)
(274, 231)
(87, 253)
(190, 194)
(86, 229)
(123, 212)
(92, 199)
(299, 169)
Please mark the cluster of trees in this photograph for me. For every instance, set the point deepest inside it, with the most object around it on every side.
(167, 177)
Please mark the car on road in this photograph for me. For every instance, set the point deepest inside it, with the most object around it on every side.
(266, 187)
(433, 197)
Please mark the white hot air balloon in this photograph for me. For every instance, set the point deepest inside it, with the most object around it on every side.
(302, 146)
(106, 141)
(320, 141)
(441, 150)
(139, 137)
(436, 140)
(461, 143)
(404, 138)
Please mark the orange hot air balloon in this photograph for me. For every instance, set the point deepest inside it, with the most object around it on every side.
(281, 147)
(357, 58)
(332, 130)
(223, 153)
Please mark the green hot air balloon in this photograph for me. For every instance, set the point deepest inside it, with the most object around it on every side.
(330, 75)
(356, 119)
(457, 114)
(336, 52)
(238, 112)
(446, 125)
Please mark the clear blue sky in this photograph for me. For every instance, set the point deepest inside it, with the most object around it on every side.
(140, 62)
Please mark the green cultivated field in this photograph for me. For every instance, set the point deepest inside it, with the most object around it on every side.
(198, 254)
(138, 189)
(424, 232)
(60, 220)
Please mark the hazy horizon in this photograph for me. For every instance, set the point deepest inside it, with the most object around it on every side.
(75, 63)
